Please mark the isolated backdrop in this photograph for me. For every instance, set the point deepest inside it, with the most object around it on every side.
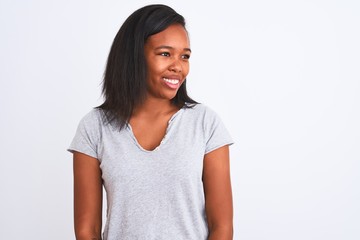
(283, 75)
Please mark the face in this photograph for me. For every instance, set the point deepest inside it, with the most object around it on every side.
(167, 56)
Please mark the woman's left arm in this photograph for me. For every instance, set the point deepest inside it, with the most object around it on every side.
(218, 196)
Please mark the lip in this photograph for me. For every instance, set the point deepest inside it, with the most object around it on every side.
(171, 85)
(177, 77)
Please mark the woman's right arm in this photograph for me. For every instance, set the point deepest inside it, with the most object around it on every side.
(87, 197)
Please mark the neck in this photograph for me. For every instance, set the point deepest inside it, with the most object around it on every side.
(154, 107)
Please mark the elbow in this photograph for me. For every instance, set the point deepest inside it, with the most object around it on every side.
(84, 234)
(224, 232)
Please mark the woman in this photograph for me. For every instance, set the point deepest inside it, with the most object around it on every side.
(162, 158)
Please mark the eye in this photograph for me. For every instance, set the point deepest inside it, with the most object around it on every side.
(165, 54)
(185, 56)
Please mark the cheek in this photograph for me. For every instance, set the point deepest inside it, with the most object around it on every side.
(186, 69)
(151, 71)
(157, 67)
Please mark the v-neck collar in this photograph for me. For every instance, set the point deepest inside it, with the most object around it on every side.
(164, 139)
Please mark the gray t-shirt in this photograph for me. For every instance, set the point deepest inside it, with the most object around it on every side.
(157, 194)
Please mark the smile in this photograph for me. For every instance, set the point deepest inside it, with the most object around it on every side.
(171, 81)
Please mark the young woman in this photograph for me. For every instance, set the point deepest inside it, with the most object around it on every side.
(162, 158)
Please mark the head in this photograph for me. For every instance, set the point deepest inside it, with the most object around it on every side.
(167, 56)
(128, 69)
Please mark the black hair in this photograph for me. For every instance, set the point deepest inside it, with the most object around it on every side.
(124, 83)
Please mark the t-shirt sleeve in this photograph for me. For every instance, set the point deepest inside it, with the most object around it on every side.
(216, 133)
(86, 138)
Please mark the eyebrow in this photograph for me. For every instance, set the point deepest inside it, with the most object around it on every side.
(168, 47)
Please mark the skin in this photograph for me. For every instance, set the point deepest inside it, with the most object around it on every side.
(87, 197)
(167, 55)
(218, 194)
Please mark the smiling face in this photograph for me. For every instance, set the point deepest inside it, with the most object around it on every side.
(167, 56)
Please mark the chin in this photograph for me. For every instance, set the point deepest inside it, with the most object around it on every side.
(169, 96)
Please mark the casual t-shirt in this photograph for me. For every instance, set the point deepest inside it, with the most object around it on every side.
(156, 194)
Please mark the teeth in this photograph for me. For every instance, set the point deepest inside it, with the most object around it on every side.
(172, 81)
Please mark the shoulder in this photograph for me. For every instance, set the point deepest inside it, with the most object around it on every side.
(92, 120)
(202, 116)
(215, 133)
(94, 115)
(88, 134)
(202, 111)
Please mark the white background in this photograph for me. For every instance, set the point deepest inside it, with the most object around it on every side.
(283, 75)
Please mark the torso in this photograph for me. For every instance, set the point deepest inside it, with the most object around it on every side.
(155, 194)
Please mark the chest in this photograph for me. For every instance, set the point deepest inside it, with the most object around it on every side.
(149, 134)
(177, 159)
(150, 130)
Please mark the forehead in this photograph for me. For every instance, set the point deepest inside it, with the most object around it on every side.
(174, 35)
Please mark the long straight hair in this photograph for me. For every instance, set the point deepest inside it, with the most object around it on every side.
(124, 83)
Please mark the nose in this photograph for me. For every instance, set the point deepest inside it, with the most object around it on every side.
(175, 66)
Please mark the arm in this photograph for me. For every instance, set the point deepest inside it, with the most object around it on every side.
(218, 196)
(87, 197)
